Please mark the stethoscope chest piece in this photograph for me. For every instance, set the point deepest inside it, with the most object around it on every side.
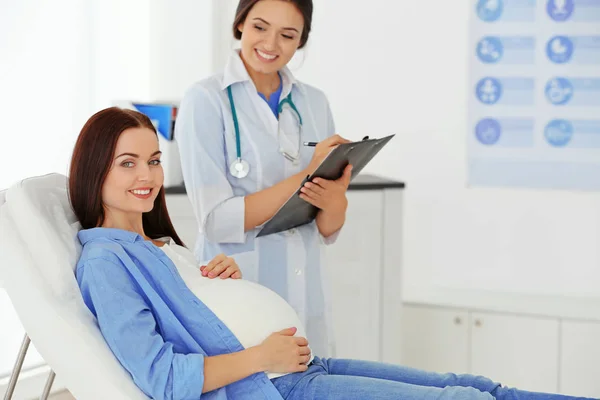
(239, 168)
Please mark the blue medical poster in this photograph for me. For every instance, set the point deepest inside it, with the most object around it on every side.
(534, 94)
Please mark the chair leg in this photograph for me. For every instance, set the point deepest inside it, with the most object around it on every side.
(17, 368)
(48, 386)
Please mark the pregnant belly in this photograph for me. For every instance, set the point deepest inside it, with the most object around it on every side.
(250, 311)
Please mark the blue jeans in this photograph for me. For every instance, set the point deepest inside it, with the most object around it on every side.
(353, 379)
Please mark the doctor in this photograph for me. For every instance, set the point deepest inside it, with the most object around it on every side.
(240, 136)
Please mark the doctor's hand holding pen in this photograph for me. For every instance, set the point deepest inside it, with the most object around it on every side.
(322, 149)
(263, 205)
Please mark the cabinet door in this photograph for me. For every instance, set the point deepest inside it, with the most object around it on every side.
(580, 352)
(391, 276)
(435, 339)
(353, 265)
(516, 351)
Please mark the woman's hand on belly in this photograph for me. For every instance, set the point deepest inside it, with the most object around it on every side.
(282, 352)
(223, 267)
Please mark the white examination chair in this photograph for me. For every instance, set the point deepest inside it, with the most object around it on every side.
(38, 252)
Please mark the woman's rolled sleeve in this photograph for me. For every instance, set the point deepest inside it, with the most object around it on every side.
(130, 330)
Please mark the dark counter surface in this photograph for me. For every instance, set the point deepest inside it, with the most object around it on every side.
(361, 182)
(374, 182)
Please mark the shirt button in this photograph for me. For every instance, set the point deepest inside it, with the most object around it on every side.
(298, 272)
(292, 231)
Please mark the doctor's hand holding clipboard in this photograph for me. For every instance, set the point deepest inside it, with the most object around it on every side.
(328, 195)
(240, 136)
(264, 204)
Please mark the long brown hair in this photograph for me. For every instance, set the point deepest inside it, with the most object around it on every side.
(304, 6)
(90, 164)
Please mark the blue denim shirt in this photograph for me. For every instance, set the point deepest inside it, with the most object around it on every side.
(155, 326)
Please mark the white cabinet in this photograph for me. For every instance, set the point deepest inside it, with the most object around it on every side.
(516, 351)
(435, 339)
(355, 272)
(541, 354)
(580, 352)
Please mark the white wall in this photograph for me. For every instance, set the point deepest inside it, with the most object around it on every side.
(181, 38)
(224, 43)
(120, 45)
(45, 76)
(45, 87)
(401, 67)
(150, 50)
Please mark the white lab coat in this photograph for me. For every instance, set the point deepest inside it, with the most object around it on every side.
(290, 263)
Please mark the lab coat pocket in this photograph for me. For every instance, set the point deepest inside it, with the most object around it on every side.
(248, 263)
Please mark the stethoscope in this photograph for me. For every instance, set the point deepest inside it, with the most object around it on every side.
(240, 168)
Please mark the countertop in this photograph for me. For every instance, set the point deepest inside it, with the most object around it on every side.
(538, 305)
(360, 182)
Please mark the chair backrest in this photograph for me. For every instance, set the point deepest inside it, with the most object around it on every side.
(38, 253)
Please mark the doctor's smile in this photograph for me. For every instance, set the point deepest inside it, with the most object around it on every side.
(265, 57)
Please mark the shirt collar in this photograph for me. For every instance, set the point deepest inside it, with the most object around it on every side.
(87, 235)
(235, 72)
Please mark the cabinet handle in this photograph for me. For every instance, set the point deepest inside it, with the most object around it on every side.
(457, 321)
(478, 322)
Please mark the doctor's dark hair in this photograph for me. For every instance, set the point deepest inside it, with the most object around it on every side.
(304, 6)
(91, 162)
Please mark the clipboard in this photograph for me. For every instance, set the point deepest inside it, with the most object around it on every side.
(296, 212)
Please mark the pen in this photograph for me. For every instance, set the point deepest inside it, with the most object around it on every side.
(313, 144)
